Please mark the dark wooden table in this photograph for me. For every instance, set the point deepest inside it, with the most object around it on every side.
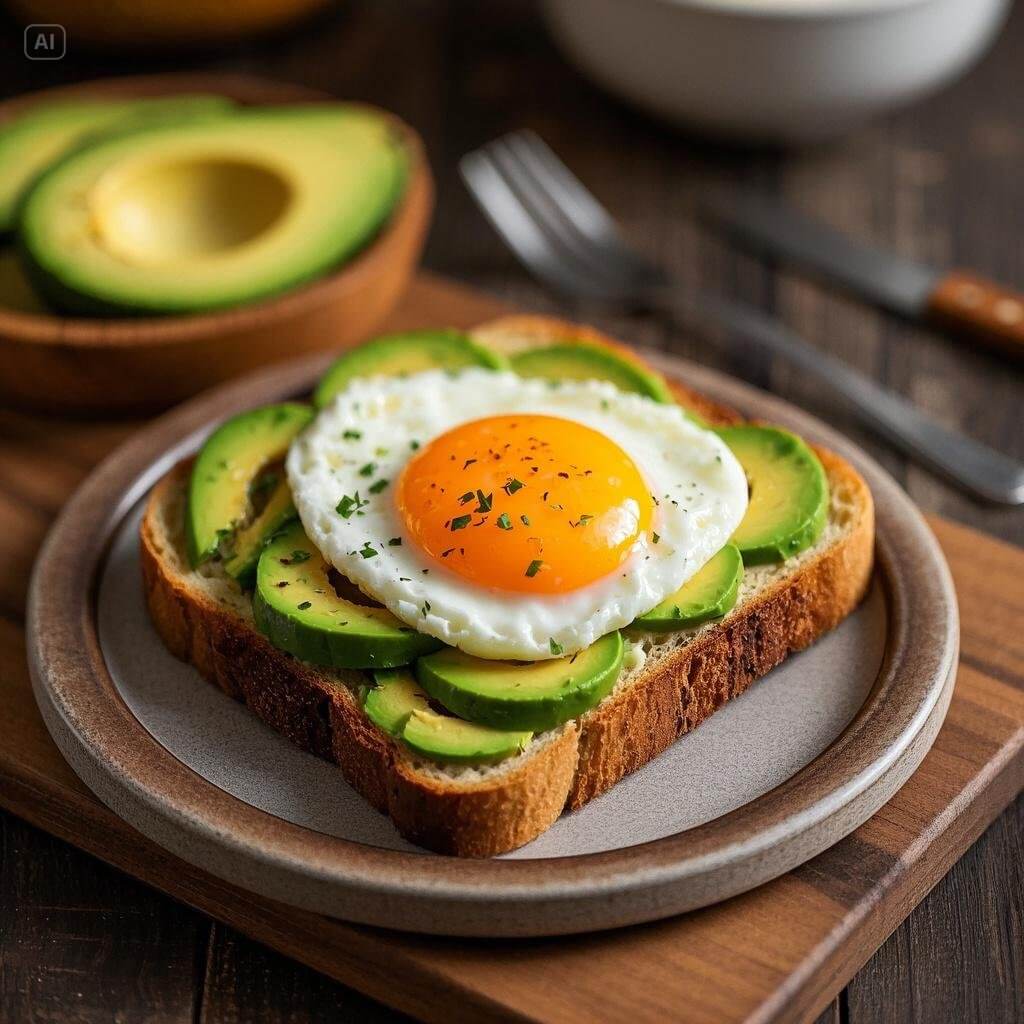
(941, 181)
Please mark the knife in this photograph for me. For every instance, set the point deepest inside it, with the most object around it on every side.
(957, 300)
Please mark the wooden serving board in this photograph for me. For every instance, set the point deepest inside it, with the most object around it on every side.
(780, 952)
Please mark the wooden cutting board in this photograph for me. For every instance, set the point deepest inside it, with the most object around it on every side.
(780, 952)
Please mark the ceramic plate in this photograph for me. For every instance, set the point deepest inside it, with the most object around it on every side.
(803, 758)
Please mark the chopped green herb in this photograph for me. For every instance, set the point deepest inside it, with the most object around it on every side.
(484, 501)
(368, 470)
(513, 485)
(304, 605)
(380, 452)
(534, 567)
(350, 504)
(395, 542)
(425, 608)
(414, 445)
(525, 520)
(460, 522)
(468, 496)
(655, 537)
(352, 435)
(367, 551)
(468, 463)
(378, 486)
(503, 522)
(556, 647)
(296, 557)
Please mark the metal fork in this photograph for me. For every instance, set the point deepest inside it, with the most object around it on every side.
(567, 239)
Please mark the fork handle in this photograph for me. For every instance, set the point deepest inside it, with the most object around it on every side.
(989, 312)
(979, 469)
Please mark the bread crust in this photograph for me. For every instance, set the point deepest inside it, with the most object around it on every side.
(484, 816)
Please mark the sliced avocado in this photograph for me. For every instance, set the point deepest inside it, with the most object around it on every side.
(297, 607)
(226, 468)
(584, 360)
(212, 212)
(522, 695)
(709, 594)
(788, 504)
(248, 542)
(393, 699)
(452, 739)
(31, 142)
(399, 707)
(396, 355)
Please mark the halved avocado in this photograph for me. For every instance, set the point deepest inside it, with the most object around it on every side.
(226, 468)
(788, 504)
(399, 707)
(248, 542)
(583, 360)
(298, 609)
(522, 695)
(709, 594)
(210, 213)
(396, 355)
(31, 142)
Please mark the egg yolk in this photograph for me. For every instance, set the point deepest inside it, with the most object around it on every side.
(528, 503)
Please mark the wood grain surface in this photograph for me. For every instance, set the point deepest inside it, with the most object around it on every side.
(777, 953)
(939, 181)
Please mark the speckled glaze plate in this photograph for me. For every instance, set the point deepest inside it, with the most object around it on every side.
(799, 761)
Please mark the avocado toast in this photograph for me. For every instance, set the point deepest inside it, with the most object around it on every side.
(498, 784)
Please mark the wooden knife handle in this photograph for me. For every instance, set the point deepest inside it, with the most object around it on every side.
(992, 314)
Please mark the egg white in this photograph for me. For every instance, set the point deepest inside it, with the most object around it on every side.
(700, 488)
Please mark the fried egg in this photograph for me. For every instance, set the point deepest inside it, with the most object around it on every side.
(511, 518)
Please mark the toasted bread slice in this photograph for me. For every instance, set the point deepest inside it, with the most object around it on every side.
(669, 685)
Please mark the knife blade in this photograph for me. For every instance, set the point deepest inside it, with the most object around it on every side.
(957, 300)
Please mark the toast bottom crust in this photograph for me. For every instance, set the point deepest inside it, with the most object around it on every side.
(497, 812)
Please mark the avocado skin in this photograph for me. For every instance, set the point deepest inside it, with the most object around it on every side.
(258, 436)
(399, 707)
(707, 595)
(357, 637)
(449, 675)
(407, 352)
(768, 456)
(585, 361)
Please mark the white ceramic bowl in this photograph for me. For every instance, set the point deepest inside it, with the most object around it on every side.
(773, 70)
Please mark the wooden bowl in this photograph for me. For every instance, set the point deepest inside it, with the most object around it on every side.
(99, 366)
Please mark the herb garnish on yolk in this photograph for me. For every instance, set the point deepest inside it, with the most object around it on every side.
(535, 480)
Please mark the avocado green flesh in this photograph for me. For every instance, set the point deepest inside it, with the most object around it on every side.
(709, 594)
(788, 504)
(452, 739)
(399, 707)
(210, 213)
(227, 465)
(248, 542)
(514, 695)
(297, 609)
(584, 361)
(31, 142)
(396, 355)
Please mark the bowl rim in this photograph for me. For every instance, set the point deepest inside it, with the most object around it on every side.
(107, 332)
(796, 10)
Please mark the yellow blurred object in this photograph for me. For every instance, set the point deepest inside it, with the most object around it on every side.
(159, 22)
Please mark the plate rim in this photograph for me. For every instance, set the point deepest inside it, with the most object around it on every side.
(167, 801)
